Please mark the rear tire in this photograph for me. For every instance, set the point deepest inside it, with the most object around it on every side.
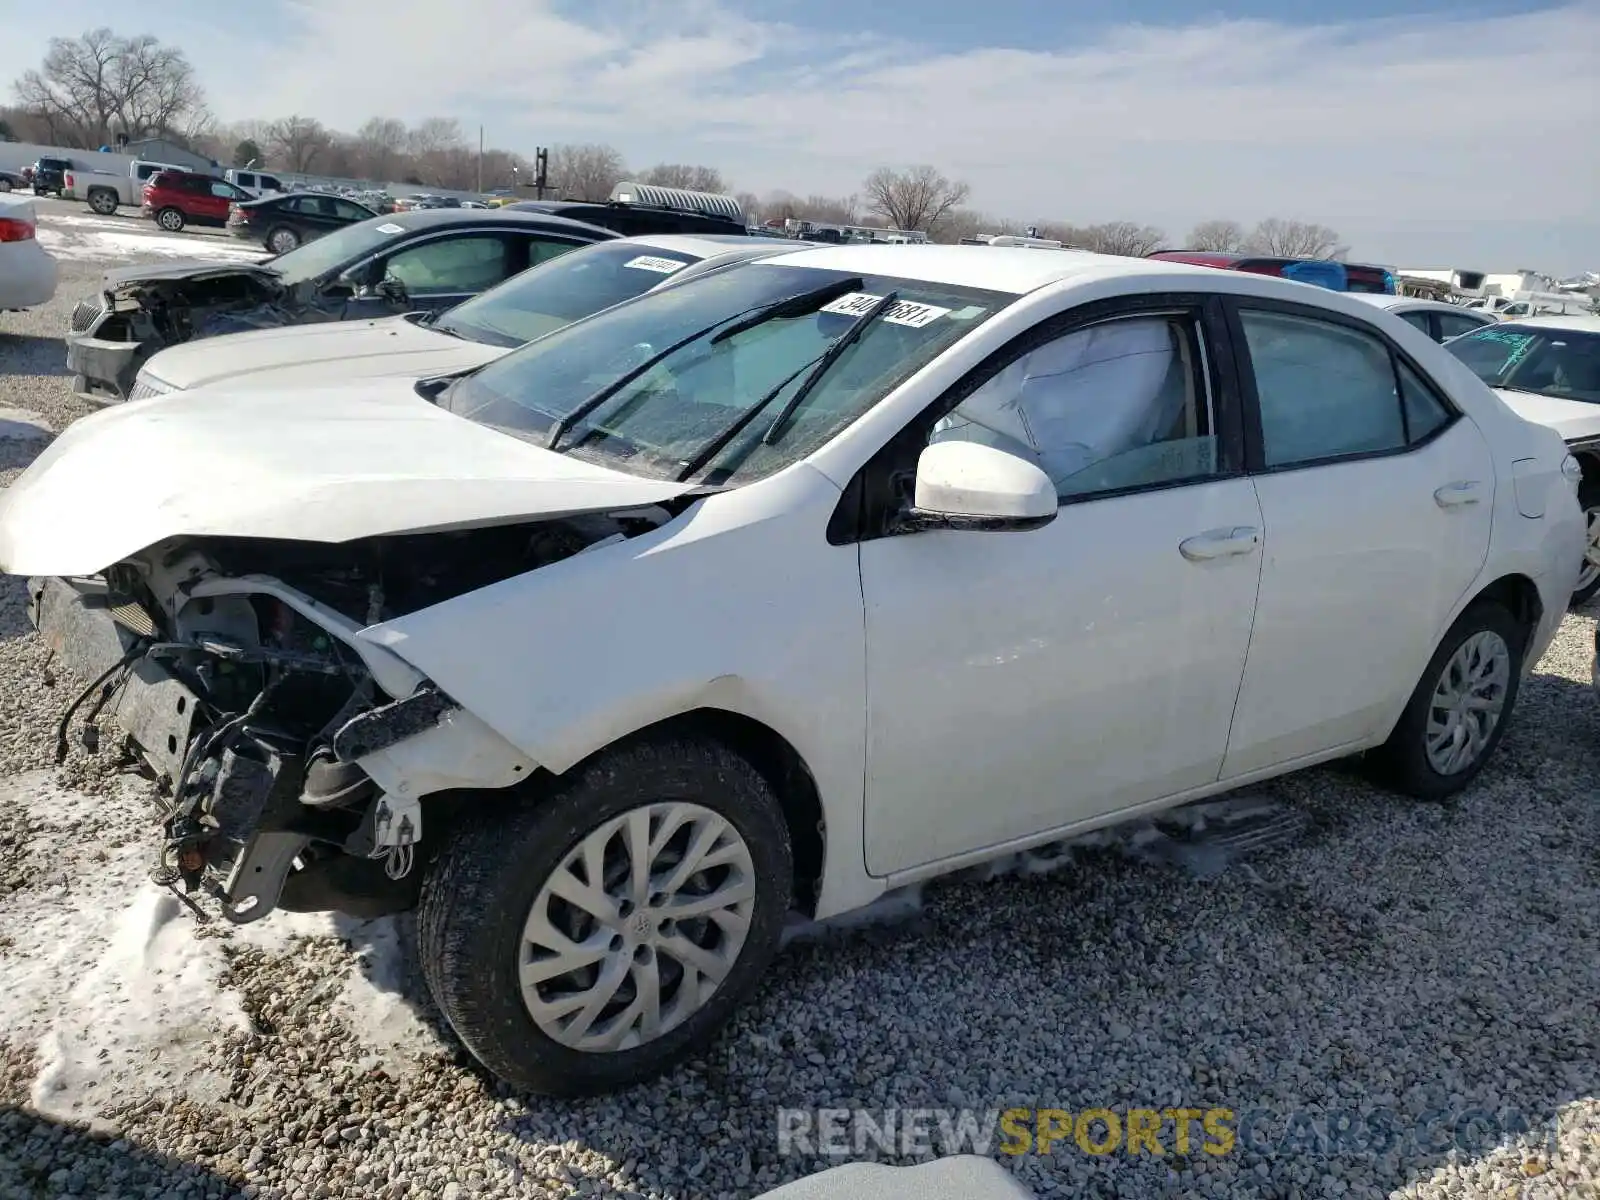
(1460, 708)
(170, 219)
(1589, 576)
(5, 185)
(103, 202)
(504, 880)
(282, 240)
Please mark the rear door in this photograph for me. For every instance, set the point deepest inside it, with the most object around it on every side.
(1376, 496)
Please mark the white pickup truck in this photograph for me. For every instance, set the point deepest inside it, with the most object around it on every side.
(103, 191)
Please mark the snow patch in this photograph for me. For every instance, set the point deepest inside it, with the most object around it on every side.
(107, 981)
(99, 245)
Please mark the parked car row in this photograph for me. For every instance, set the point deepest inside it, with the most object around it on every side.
(897, 559)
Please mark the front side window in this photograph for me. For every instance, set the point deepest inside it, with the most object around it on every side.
(708, 379)
(1325, 390)
(1116, 405)
(451, 265)
(1563, 363)
(580, 284)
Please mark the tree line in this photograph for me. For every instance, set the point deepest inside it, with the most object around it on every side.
(89, 89)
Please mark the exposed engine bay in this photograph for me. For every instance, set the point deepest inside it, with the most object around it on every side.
(163, 312)
(291, 756)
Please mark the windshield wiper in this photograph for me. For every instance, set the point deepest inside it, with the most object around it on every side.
(817, 368)
(790, 306)
(794, 306)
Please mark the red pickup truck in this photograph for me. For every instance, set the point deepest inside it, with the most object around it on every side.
(176, 198)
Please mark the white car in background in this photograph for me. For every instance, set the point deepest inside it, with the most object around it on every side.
(1547, 368)
(478, 331)
(1440, 321)
(28, 272)
(778, 589)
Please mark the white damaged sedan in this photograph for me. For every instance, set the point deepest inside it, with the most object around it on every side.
(770, 592)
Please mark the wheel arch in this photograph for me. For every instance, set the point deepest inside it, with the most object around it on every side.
(1517, 593)
(779, 764)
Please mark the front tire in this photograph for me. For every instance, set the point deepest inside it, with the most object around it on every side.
(1460, 708)
(1589, 576)
(594, 938)
(282, 240)
(170, 219)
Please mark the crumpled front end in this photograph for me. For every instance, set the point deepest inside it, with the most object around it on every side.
(291, 756)
(113, 334)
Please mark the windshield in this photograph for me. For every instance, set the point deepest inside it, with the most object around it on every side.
(561, 291)
(662, 421)
(333, 250)
(1564, 363)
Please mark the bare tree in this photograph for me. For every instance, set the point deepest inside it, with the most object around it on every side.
(916, 198)
(382, 145)
(682, 175)
(1221, 236)
(1295, 239)
(585, 172)
(1121, 237)
(90, 88)
(754, 210)
(297, 142)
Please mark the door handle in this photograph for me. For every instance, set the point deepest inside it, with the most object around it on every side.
(1454, 495)
(1220, 543)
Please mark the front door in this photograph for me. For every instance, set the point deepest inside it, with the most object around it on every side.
(1022, 682)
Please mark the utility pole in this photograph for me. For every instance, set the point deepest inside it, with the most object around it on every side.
(480, 158)
(541, 172)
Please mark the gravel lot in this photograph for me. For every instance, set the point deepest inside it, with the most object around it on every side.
(1417, 959)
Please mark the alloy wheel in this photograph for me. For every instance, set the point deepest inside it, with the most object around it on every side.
(1467, 702)
(1591, 552)
(637, 928)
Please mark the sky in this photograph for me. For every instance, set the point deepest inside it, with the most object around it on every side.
(1428, 133)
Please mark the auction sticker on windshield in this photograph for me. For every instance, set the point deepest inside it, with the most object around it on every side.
(649, 262)
(901, 312)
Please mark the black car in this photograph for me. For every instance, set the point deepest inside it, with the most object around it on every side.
(282, 223)
(50, 175)
(10, 181)
(405, 262)
(639, 208)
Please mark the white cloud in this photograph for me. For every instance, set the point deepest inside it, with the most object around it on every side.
(1379, 127)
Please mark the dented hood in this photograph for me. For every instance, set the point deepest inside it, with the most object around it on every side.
(329, 465)
(124, 279)
(334, 352)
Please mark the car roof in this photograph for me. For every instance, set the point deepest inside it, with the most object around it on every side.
(1413, 303)
(434, 218)
(1015, 269)
(704, 245)
(1584, 322)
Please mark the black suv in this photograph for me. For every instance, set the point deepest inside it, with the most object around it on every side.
(49, 175)
(635, 209)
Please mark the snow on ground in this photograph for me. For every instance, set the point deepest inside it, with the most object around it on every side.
(88, 238)
(115, 983)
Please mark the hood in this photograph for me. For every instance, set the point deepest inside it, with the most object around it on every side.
(116, 278)
(317, 355)
(328, 465)
(1572, 419)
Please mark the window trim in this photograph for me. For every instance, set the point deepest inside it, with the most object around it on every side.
(866, 508)
(1254, 439)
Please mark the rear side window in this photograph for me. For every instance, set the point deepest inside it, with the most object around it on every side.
(1327, 391)
(1417, 319)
